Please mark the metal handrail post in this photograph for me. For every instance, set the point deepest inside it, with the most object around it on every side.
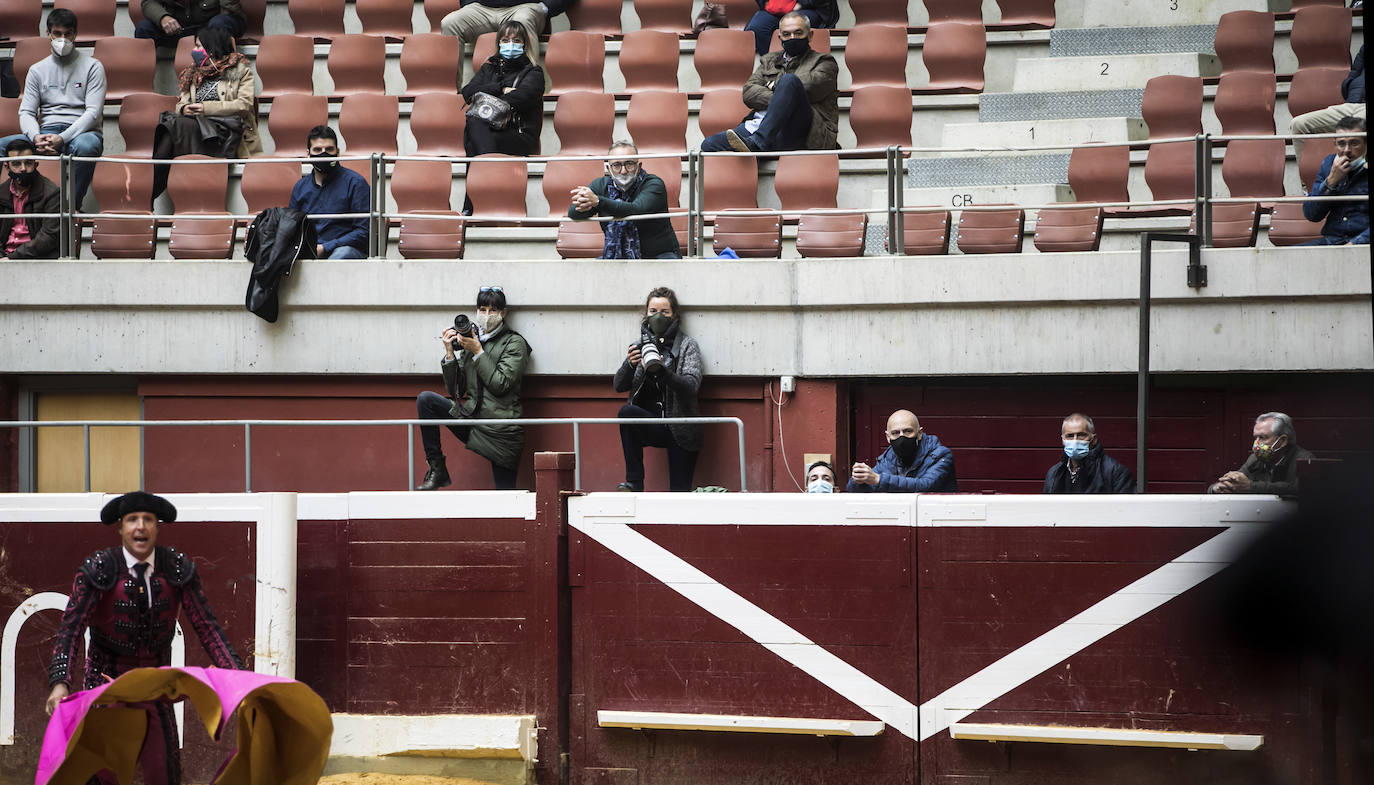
(1142, 379)
(899, 199)
(410, 456)
(1207, 191)
(86, 453)
(577, 458)
(247, 458)
(695, 223)
(743, 483)
(65, 224)
(1202, 164)
(376, 243)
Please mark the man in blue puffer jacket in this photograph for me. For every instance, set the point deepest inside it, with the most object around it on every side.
(1343, 173)
(914, 462)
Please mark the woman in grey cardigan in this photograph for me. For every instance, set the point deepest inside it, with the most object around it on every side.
(660, 386)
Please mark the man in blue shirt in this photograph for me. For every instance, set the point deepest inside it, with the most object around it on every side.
(331, 188)
(914, 462)
(1343, 173)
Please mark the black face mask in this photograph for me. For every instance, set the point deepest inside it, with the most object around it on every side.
(324, 167)
(904, 447)
(795, 47)
(24, 179)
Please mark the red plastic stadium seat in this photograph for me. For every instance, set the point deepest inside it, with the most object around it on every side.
(926, 233)
(1026, 14)
(1172, 106)
(729, 182)
(1254, 167)
(1169, 172)
(9, 117)
(430, 63)
(496, 185)
(436, 10)
(268, 183)
(1100, 174)
(390, 18)
(255, 12)
(1068, 229)
(575, 61)
(1321, 37)
(584, 122)
(721, 109)
(21, 19)
(883, 11)
(431, 238)
(28, 51)
(648, 60)
(657, 121)
(318, 18)
(368, 124)
(483, 49)
(595, 16)
(95, 17)
(1288, 226)
(804, 182)
(749, 236)
(724, 58)
(580, 239)
(1245, 103)
(138, 118)
(291, 118)
(123, 188)
(881, 116)
(285, 64)
(199, 189)
(953, 11)
(425, 187)
(991, 231)
(830, 234)
(876, 54)
(673, 16)
(1234, 225)
(356, 64)
(669, 170)
(129, 65)
(954, 53)
(1310, 161)
(437, 122)
(1245, 41)
(1315, 88)
(738, 12)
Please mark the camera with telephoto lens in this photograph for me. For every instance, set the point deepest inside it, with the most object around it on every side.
(464, 326)
(649, 353)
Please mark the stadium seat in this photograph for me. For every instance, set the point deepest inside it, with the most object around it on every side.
(390, 18)
(991, 231)
(1170, 174)
(1315, 88)
(430, 62)
(1288, 226)
(268, 183)
(1245, 41)
(575, 61)
(669, 170)
(881, 11)
(595, 16)
(738, 12)
(1301, 4)
(1068, 229)
(830, 234)
(291, 118)
(729, 182)
(1244, 103)
(128, 189)
(436, 10)
(483, 49)
(9, 116)
(368, 124)
(129, 65)
(672, 16)
(356, 64)
(876, 54)
(1026, 14)
(881, 116)
(255, 12)
(581, 239)
(28, 51)
(425, 187)
(954, 53)
(182, 59)
(319, 18)
(1172, 106)
(199, 189)
(1254, 167)
(437, 122)
(1234, 224)
(284, 64)
(724, 58)
(1321, 37)
(1100, 174)
(721, 109)
(820, 40)
(749, 236)
(495, 184)
(925, 233)
(953, 11)
(805, 182)
(657, 121)
(21, 19)
(1310, 161)
(584, 122)
(95, 18)
(138, 119)
(648, 60)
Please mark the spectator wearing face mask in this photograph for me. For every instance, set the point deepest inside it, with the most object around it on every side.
(333, 189)
(1085, 467)
(511, 78)
(914, 462)
(626, 190)
(1273, 463)
(820, 478)
(27, 191)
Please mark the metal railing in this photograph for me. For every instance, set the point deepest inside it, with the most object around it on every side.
(248, 425)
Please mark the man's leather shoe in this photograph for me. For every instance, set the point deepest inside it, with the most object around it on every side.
(635, 487)
(436, 478)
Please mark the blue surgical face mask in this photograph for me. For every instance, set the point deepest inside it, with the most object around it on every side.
(510, 51)
(1075, 449)
(820, 485)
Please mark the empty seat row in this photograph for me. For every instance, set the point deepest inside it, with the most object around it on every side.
(1320, 38)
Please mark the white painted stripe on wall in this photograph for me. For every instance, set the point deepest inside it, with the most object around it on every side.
(441, 735)
(423, 505)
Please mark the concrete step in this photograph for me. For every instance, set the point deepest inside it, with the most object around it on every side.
(1093, 41)
(1107, 72)
(1025, 133)
(964, 171)
(1006, 107)
(1145, 13)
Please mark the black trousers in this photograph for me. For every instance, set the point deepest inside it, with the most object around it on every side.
(634, 438)
(433, 406)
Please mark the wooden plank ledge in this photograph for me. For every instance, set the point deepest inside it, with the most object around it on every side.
(660, 720)
(1116, 737)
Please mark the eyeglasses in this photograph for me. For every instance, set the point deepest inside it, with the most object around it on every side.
(486, 289)
(621, 166)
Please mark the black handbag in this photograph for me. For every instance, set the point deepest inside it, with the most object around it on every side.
(495, 112)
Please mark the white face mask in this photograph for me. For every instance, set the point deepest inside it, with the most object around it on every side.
(624, 179)
(820, 485)
(62, 46)
(486, 322)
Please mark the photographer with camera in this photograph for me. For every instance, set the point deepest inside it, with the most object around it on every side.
(484, 363)
(662, 373)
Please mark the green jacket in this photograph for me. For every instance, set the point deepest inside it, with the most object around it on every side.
(499, 369)
(818, 74)
(656, 235)
(190, 13)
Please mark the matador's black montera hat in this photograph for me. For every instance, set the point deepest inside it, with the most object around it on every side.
(138, 501)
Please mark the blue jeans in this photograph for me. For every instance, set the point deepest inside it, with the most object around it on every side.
(347, 252)
(88, 144)
(149, 28)
(785, 124)
(1329, 240)
(763, 24)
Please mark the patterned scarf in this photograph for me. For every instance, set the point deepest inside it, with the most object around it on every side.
(622, 237)
(210, 68)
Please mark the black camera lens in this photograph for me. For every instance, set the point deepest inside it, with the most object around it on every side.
(463, 325)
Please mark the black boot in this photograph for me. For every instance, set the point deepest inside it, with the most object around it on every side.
(437, 476)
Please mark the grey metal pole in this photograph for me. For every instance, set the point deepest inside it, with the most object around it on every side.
(64, 196)
(247, 458)
(577, 457)
(743, 481)
(410, 458)
(1205, 171)
(86, 453)
(899, 199)
(1142, 383)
